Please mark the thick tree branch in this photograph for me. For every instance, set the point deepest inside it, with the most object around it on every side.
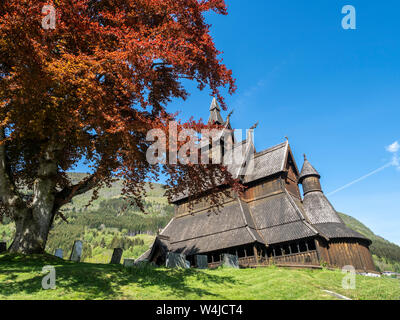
(65, 195)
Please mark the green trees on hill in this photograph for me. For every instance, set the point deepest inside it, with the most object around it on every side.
(112, 225)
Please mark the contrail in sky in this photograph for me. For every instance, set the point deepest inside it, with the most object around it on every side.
(394, 148)
(362, 178)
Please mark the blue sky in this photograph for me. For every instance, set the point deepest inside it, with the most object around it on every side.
(335, 93)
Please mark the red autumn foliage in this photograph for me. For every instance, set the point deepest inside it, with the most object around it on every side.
(91, 89)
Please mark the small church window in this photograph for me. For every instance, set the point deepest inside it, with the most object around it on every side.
(217, 257)
(249, 252)
(311, 244)
(241, 253)
(303, 247)
(294, 248)
(278, 251)
(286, 250)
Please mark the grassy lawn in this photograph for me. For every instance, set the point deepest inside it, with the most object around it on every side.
(20, 278)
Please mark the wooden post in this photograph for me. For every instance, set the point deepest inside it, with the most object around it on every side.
(255, 253)
(317, 248)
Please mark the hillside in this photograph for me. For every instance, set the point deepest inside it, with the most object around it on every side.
(21, 278)
(109, 222)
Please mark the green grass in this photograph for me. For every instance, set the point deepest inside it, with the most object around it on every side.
(20, 278)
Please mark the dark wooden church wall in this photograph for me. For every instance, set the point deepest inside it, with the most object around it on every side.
(291, 180)
(264, 188)
(346, 252)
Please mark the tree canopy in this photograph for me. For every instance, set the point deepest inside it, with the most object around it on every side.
(91, 88)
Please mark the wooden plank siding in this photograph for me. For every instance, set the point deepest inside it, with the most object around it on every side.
(343, 252)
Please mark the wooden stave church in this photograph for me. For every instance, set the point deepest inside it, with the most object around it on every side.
(271, 223)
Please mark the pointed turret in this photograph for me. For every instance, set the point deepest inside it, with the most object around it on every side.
(308, 171)
(317, 206)
(309, 178)
(215, 115)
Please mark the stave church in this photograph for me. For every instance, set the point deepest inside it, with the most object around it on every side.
(272, 222)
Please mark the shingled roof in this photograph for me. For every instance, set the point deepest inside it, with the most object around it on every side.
(339, 231)
(215, 115)
(279, 219)
(267, 221)
(308, 170)
(266, 163)
(269, 162)
(321, 213)
(209, 231)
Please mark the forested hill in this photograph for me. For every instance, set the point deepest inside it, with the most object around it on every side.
(110, 223)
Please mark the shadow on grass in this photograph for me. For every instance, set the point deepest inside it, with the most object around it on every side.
(22, 276)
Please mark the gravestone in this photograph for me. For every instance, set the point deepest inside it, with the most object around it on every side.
(176, 260)
(59, 253)
(230, 261)
(117, 255)
(129, 263)
(201, 261)
(3, 247)
(76, 251)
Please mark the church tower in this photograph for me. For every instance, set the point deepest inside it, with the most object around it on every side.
(316, 205)
(221, 140)
(215, 113)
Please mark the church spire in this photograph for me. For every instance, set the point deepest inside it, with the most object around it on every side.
(309, 178)
(215, 115)
(308, 170)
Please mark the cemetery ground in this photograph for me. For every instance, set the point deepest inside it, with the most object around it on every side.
(21, 277)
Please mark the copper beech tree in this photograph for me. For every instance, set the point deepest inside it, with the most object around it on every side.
(91, 88)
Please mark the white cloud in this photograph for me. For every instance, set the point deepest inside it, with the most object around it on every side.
(394, 147)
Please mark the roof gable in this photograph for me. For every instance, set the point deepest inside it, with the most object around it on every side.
(268, 162)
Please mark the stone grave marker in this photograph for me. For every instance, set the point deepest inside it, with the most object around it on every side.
(176, 260)
(117, 255)
(201, 261)
(76, 251)
(129, 263)
(59, 253)
(230, 261)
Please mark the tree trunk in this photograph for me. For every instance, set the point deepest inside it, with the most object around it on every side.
(33, 221)
(31, 232)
